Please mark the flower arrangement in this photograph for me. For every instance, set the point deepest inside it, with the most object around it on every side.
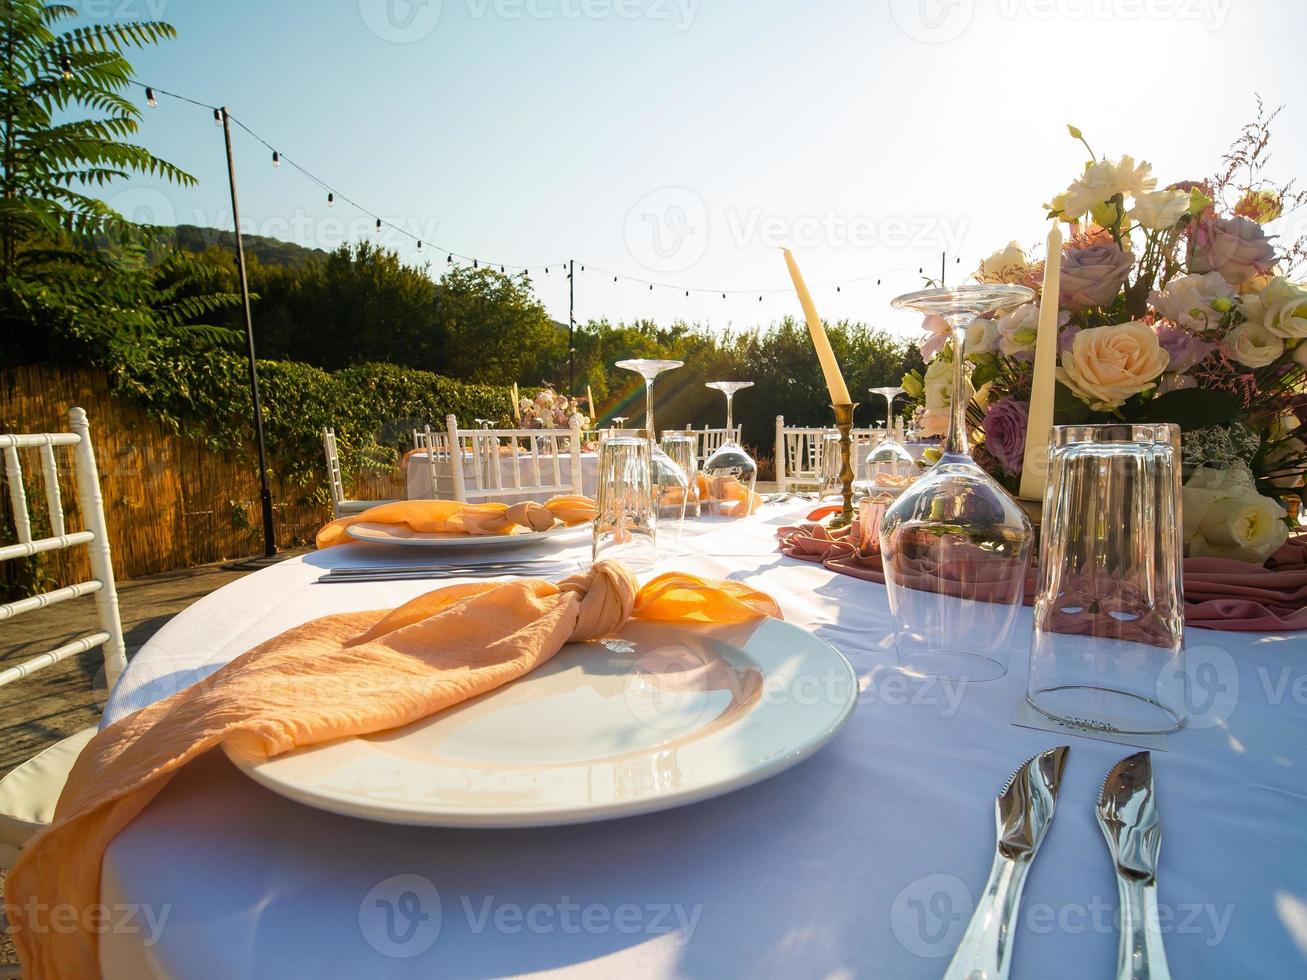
(550, 410)
(1176, 305)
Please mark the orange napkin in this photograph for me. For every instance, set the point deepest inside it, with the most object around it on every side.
(347, 674)
(740, 501)
(452, 517)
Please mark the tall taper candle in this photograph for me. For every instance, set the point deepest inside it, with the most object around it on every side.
(1034, 468)
(839, 391)
(517, 412)
(590, 401)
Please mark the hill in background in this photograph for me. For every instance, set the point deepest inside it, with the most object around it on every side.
(269, 251)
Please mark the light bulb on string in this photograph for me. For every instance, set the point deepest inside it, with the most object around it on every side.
(217, 117)
(150, 100)
(501, 268)
(474, 263)
(276, 159)
(419, 244)
(378, 226)
(449, 259)
(66, 67)
(331, 200)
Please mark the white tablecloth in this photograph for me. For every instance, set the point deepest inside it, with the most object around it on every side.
(861, 862)
(418, 476)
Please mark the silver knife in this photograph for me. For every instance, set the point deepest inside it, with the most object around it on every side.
(1127, 815)
(1022, 813)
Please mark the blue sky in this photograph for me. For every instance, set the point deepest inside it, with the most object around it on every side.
(682, 141)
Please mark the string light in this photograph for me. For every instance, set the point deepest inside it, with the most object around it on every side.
(150, 100)
(331, 200)
(449, 259)
(66, 66)
(276, 159)
(378, 226)
(419, 244)
(217, 117)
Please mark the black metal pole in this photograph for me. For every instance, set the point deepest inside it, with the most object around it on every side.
(269, 531)
(571, 326)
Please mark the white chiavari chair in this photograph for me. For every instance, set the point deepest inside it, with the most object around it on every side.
(340, 504)
(29, 792)
(506, 464)
(798, 457)
(711, 440)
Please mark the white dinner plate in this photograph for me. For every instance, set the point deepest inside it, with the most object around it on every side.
(400, 534)
(663, 715)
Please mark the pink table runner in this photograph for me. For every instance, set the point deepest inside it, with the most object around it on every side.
(1220, 594)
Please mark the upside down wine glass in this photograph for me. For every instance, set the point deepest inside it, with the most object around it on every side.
(670, 483)
(889, 467)
(730, 461)
(955, 544)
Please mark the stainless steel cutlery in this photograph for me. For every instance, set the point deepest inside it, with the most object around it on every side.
(1023, 812)
(384, 573)
(1127, 815)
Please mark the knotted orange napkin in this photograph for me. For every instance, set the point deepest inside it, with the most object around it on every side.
(452, 517)
(348, 674)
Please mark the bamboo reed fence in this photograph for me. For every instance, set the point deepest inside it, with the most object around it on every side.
(170, 502)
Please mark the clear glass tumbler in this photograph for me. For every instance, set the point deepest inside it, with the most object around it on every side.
(1108, 647)
(626, 521)
(682, 449)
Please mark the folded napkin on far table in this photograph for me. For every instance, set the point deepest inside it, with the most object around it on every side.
(452, 517)
(348, 674)
(1219, 593)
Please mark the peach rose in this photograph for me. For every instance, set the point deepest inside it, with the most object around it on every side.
(1106, 365)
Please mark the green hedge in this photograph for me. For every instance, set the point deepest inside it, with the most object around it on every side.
(373, 407)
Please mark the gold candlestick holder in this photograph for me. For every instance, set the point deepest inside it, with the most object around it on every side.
(844, 423)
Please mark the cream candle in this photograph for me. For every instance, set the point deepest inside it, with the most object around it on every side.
(839, 391)
(1034, 469)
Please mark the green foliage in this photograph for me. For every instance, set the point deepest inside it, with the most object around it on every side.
(75, 276)
(373, 407)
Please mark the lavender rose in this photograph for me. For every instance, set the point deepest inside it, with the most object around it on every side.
(1005, 433)
(1236, 247)
(1186, 350)
(1093, 276)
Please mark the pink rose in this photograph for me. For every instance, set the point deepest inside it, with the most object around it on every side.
(1093, 276)
(1235, 247)
(1005, 433)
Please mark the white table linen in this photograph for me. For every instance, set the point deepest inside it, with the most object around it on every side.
(861, 862)
(418, 476)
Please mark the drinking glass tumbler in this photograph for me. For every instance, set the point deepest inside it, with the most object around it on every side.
(682, 448)
(1108, 646)
(626, 522)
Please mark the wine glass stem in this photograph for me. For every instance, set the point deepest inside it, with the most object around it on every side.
(955, 443)
(730, 421)
(648, 410)
(889, 415)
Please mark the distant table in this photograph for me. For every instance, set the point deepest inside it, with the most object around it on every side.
(418, 477)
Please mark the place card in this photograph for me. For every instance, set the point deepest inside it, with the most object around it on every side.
(1027, 717)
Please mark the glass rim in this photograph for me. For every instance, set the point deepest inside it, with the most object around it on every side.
(941, 298)
(1139, 433)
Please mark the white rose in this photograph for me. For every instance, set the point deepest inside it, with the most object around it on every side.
(982, 336)
(1225, 516)
(1252, 345)
(1195, 302)
(1291, 454)
(1103, 180)
(1159, 210)
(934, 423)
(938, 384)
(1018, 330)
(1284, 306)
(1006, 265)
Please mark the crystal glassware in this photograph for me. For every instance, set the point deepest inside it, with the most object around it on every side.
(1108, 647)
(730, 461)
(830, 464)
(955, 544)
(626, 522)
(670, 482)
(682, 449)
(889, 466)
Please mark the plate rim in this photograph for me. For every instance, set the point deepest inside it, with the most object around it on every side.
(569, 813)
(460, 541)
